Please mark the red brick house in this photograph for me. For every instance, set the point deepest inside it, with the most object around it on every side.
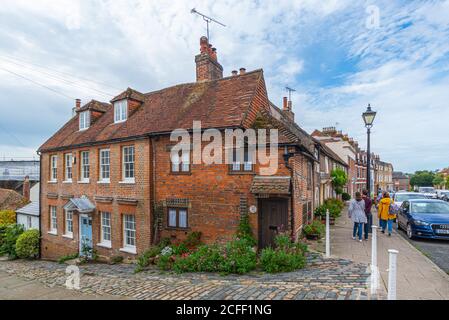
(108, 179)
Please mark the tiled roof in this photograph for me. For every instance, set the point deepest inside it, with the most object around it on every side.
(11, 200)
(95, 105)
(217, 104)
(271, 185)
(31, 209)
(130, 94)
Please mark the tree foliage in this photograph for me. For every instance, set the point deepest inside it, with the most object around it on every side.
(423, 179)
(339, 180)
(438, 180)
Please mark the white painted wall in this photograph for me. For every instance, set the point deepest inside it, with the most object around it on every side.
(34, 193)
(24, 220)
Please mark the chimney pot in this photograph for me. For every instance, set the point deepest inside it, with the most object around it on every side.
(207, 66)
(78, 104)
(234, 72)
(242, 70)
(285, 103)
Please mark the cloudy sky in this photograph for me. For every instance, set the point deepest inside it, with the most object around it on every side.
(339, 55)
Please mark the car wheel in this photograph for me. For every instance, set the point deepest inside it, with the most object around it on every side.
(409, 231)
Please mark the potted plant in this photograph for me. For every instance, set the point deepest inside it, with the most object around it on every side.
(314, 231)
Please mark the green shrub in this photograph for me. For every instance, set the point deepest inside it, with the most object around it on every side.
(27, 245)
(244, 230)
(239, 257)
(68, 257)
(208, 258)
(165, 262)
(144, 260)
(315, 228)
(193, 239)
(320, 211)
(335, 207)
(180, 249)
(346, 196)
(7, 217)
(273, 261)
(116, 260)
(12, 233)
(287, 256)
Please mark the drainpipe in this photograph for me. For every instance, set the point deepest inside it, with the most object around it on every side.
(287, 157)
(40, 205)
(155, 228)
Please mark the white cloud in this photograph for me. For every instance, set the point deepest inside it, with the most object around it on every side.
(401, 67)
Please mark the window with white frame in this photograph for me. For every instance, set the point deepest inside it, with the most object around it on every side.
(128, 163)
(53, 220)
(68, 167)
(84, 120)
(120, 111)
(85, 166)
(180, 162)
(54, 168)
(129, 231)
(69, 223)
(247, 164)
(106, 228)
(105, 163)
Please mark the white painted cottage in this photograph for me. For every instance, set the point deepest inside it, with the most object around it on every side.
(28, 216)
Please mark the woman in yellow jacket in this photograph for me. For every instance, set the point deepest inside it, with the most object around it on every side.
(385, 216)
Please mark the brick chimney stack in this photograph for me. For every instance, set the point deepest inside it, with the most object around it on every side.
(77, 104)
(26, 188)
(207, 66)
(287, 109)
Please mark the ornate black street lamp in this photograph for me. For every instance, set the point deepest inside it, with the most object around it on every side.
(368, 118)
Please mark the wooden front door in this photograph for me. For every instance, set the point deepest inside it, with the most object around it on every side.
(273, 218)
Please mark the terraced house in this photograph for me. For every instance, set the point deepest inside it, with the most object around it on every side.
(108, 181)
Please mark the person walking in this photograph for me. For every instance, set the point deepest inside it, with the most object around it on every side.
(369, 215)
(357, 214)
(385, 216)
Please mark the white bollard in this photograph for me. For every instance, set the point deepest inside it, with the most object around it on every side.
(374, 269)
(328, 240)
(374, 246)
(392, 269)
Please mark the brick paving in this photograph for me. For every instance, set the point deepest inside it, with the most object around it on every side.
(322, 279)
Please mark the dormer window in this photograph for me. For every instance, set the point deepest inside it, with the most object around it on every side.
(84, 120)
(120, 111)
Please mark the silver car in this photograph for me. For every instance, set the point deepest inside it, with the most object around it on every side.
(400, 197)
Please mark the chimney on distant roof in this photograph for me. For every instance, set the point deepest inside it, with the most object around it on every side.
(234, 73)
(77, 107)
(287, 109)
(242, 71)
(26, 188)
(207, 66)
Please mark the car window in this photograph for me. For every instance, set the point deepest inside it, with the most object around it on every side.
(404, 197)
(430, 207)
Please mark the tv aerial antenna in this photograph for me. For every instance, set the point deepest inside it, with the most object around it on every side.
(208, 20)
(290, 90)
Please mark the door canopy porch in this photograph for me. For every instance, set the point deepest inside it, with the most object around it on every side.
(278, 185)
(82, 205)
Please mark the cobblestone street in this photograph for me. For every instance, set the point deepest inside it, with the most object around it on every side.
(332, 279)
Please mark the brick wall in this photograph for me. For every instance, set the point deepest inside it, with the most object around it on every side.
(54, 246)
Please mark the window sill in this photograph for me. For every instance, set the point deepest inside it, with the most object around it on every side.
(241, 172)
(180, 173)
(119, 121)
(104, 245)
(68, 236)
(177, 229)
(84, 181)
(67, 181)
(128, 250)
(104, 182)
(53, 233)
(127, 182)
(53, 181)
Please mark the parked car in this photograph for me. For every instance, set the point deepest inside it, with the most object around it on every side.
(425, 218)
(400, 197)
(428, 192)
(443, 194)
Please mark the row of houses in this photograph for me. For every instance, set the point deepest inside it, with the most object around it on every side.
(356, 161)
(109, 178)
